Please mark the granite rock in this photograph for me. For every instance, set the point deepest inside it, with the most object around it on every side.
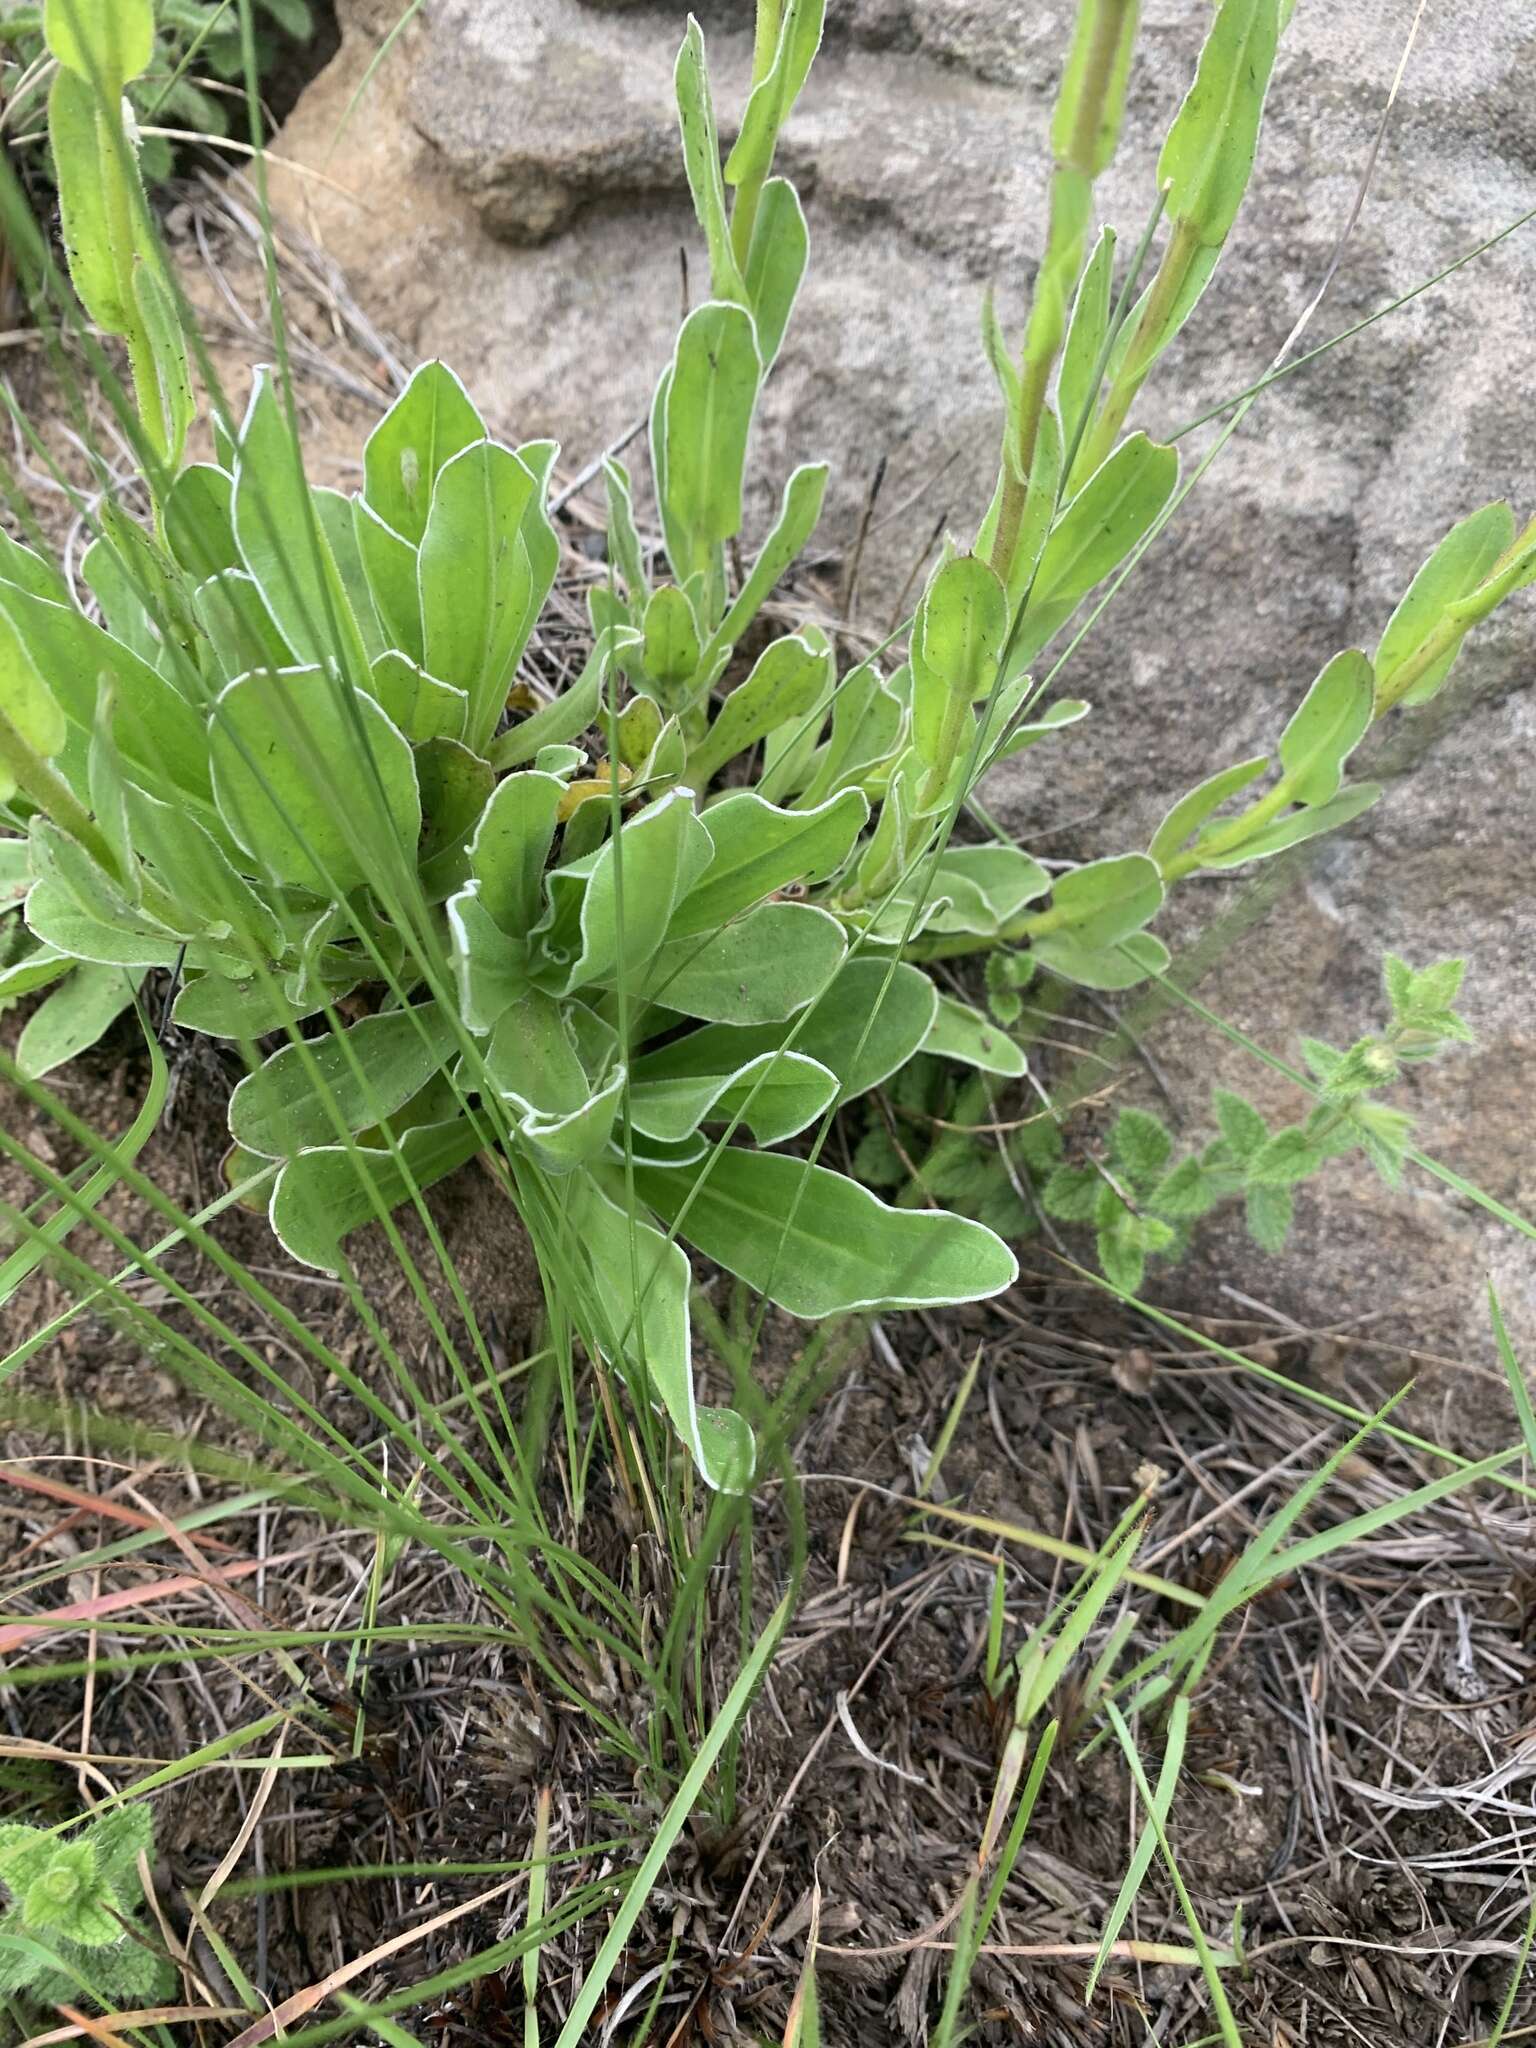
(520, 211)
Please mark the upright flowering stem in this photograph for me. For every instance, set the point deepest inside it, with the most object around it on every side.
(1083, 135)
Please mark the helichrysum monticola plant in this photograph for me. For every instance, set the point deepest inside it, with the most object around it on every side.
(628, 942)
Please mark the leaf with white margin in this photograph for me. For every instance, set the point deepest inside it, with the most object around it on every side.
(158, 732)
(758, 970)
(220, 1006)
(53, 916)
(422, 707)
(654, 862)
(308, 1094)
(34, 970)
(760, 849)
(818, 1244)
(480, 588)
(431, 421)
(535, 1063)
(964, 1034)
(74, 1017)
(776, 1095)
(652, 1327)
(325, 1194)
(868, 1023)
(511, 845)
(490, 969)
(283, 542)
(1122, 965)
(278, 740)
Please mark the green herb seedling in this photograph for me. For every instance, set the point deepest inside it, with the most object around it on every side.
(1142, 1202)
(74, 1921)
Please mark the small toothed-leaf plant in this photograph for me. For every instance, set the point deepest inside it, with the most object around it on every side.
(1142, 1200)
(73, 1923)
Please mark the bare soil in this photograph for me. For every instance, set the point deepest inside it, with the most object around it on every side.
(1360, 1771)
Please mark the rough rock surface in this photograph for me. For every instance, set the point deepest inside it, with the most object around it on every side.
(520, 211)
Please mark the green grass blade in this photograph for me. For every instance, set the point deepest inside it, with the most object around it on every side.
(1519, 1392)
(668, 1829)
(1158, 1804)
(26, 1259)
(1210, 1965)
(1516, 1976)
